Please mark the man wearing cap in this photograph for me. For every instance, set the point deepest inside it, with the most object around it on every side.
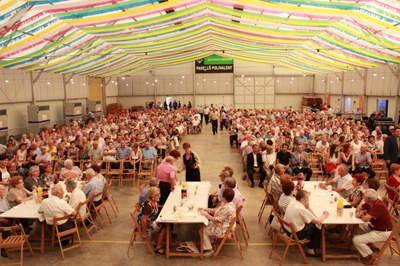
(379, 227)
(391, 148)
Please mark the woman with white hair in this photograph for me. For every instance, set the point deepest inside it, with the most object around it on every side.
(379, 227)
(69, 171)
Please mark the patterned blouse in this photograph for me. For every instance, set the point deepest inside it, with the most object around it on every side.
(225, 213)
(357, 192)
(147, 209)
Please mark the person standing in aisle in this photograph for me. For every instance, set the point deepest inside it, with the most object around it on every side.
(214, 120)
(201, 113)
(223, 122)
(191, 164)
(206, 114)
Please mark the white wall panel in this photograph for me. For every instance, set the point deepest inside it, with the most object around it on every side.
(15, 86)
(112, 87)
(319, 84)
(214, 83)
(48, 86)
(294, 84)
(353, 83)
(128, 102)
(286, 100)
(334, 84)
(381, 81)
(77, 88)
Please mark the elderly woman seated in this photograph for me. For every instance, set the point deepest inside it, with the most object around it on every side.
(69, 171)
(147, 216)
(220, 219)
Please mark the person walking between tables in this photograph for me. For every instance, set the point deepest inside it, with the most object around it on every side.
(191, 163)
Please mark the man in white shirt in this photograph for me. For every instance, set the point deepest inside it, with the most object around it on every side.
(343, 182)
(96, 152)
(304, 221)
(77, 196)
(56, 207)
(43, 157)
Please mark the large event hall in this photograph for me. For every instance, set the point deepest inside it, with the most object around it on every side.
(225, 132)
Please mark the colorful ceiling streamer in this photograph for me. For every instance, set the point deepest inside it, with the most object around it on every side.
(120, 37)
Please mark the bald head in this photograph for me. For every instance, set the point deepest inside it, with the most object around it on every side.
(58, 191)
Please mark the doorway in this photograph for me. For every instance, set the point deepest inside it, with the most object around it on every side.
(382, 106)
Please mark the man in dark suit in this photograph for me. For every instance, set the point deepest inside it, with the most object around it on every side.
(391, 148)
(255, 165)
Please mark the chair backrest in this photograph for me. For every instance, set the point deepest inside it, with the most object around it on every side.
(282, 222)
(56, 219)
(393, 190)
(80, 205)
(13, 231)
(100, 194)
(134, 214)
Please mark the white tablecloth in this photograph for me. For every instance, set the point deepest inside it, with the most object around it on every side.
(319, 202)
(182, 214)
(29, 209)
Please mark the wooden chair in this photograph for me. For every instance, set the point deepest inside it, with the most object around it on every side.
(391, 203)
(107, 197)
(97, 209)
(103, 167)
(129, 173)
(316, 166)
(379, 167)
(137, 230)
(230, 234)
(86, 217)
(146, 167)
(16, 240)
(67, 234)
(266, 201)
(115, 173)
(392, 239)
(242, 225)
(289, 240)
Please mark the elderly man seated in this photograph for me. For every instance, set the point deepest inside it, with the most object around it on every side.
(69, 171)
(56, 207)
(93, 186)
(77, 196)
(304, 221)
(34, 180)
(342, 182)
(363, 162)
(378, 229)
(214, 198)
(300, 162)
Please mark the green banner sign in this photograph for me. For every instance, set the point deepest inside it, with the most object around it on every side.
(217, 60)
(214, 64)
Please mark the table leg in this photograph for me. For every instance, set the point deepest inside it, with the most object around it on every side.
(323, 244)
(168, 240)
(201, 240)
(42, 238)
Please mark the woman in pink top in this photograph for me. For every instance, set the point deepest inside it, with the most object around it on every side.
(166, 173)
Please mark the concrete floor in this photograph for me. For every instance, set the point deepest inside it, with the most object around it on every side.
(109, 246)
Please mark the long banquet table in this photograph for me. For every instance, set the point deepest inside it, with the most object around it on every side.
(197, 196)
(29, 210)
(319, 202)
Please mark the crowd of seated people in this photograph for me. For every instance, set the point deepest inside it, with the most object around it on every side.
(293, 138)
(131, 136)
(345, 149)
